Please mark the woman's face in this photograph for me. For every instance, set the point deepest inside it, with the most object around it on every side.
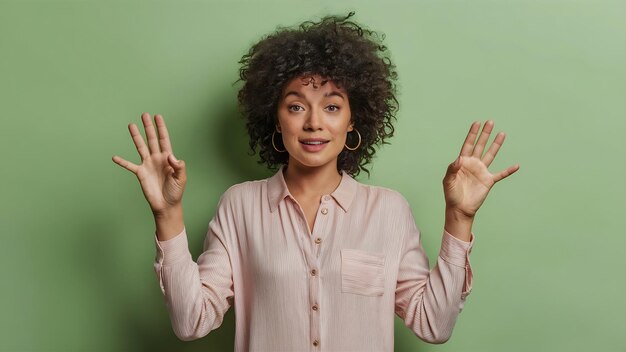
(313, 119)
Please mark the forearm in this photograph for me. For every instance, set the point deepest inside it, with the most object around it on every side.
(169, 223)
(436, 313)
(458, 224)
(430, 304)
(191, 313)
(195, 306)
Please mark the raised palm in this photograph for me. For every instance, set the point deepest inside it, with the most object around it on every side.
(468, 180)
(161, 176)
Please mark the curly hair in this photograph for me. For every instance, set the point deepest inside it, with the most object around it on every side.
(336, 49)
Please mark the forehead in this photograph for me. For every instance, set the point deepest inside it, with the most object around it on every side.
(312, 83)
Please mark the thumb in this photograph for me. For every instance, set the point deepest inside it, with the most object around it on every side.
(455, 166)
(178, 165)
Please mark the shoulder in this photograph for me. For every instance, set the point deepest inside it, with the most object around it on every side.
(383, 196)
(236, 201)
(242, 192)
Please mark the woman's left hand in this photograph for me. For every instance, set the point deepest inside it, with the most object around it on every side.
(468, 181)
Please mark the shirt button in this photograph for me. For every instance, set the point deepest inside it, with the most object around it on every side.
(314, 307)
(313, 272)
(326, 197)
(315, 342)
(318, 240)
(324, 211)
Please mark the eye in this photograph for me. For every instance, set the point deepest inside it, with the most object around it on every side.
(294, 108)
(332, 108)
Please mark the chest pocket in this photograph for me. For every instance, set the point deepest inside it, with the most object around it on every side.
(362, 272)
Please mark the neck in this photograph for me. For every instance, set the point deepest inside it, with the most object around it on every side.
(311, 182)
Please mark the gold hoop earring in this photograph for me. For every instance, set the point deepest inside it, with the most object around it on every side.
(274, 145)
(359, 144)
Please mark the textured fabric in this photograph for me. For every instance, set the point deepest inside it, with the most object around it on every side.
(335, 289)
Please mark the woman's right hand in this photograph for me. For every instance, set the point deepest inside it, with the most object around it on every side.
(161, 175)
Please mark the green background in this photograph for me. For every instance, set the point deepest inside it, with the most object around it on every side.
(76, 242)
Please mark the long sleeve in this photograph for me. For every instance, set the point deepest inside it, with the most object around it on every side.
(429, 302)
(197, 295)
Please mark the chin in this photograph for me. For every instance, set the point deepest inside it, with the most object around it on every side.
(309, 162)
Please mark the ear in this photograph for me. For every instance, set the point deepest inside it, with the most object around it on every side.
(351, 127)
(278, 128)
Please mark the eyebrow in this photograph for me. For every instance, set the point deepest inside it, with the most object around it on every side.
(329, 94)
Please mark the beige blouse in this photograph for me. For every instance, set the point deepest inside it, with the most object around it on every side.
(335, 289)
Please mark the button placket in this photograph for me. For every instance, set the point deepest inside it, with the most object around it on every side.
(314, 296)
(323, 211)
(314, 270)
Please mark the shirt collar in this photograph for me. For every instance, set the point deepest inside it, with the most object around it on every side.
(277, 190)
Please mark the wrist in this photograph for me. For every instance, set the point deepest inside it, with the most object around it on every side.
(169, 223)
(459, 215)
(168, 213)
(459, 224)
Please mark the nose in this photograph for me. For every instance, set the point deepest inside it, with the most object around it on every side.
(313, 121)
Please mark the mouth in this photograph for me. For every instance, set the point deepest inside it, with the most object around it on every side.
(313, 145)
(315, 141)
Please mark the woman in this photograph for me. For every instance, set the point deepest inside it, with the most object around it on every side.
(311, 258)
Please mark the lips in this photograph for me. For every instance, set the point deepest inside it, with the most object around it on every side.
(313, 145)
(314, 141)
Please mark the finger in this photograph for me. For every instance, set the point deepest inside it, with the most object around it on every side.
(482, 140)
(164, 137)
(175, 163)
(468, 144)
(138, 140)
(451, 172)
(153, 143)
(506, 173)
(125, 164)
(454, 166)
(180, 172)
(493, 149)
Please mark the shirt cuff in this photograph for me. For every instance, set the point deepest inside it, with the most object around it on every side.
(456, 252)
(174, 250)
